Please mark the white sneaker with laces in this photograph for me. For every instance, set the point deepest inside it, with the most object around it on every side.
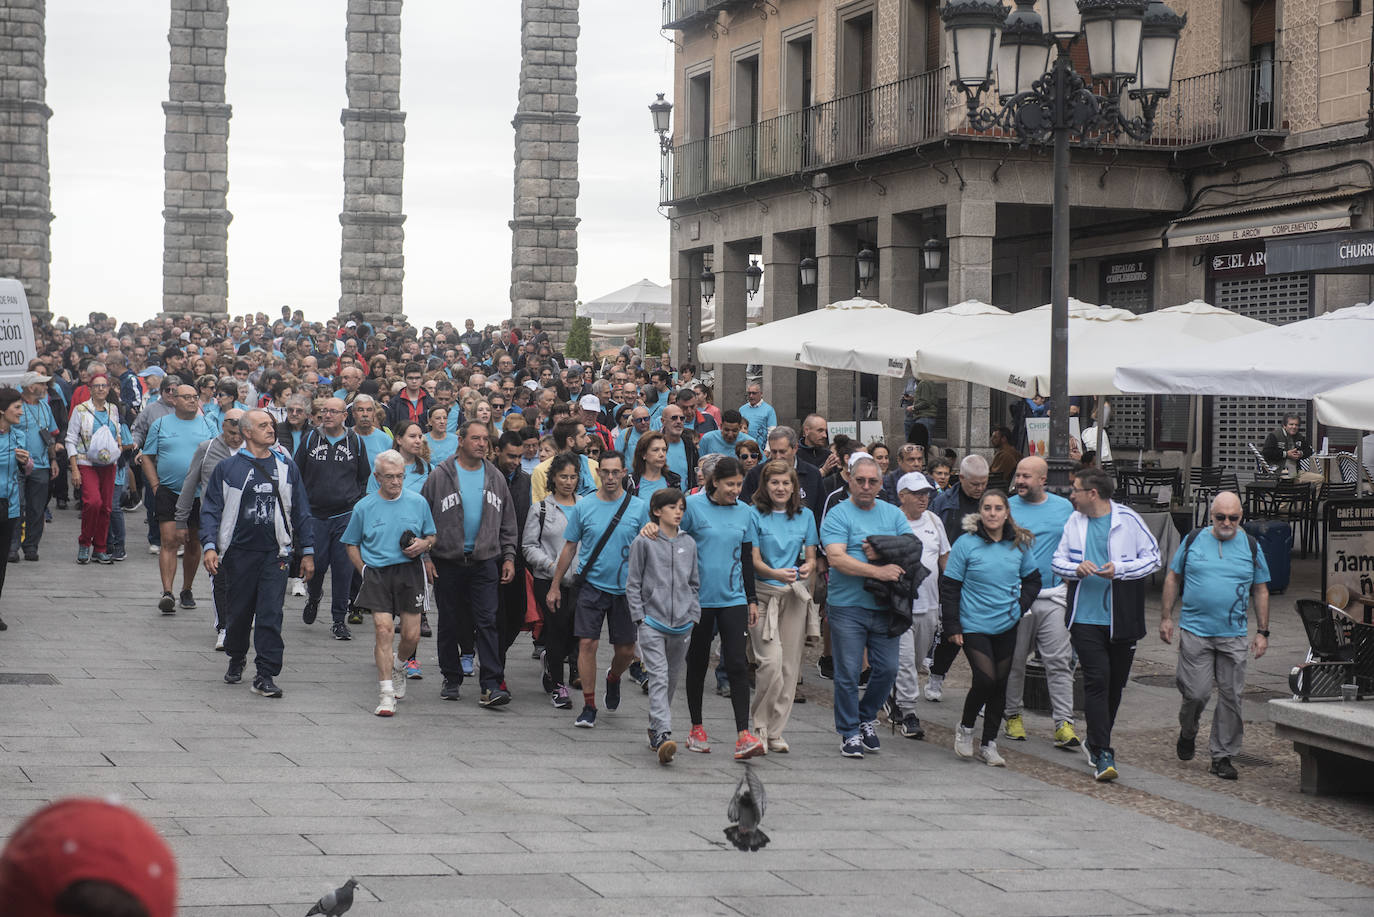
(219, 641)
(963, 741)
(989, 755)
(398, 676)
(154, 549)
(935, 687)
(387, 706)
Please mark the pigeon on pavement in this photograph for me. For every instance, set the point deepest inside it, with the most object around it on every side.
(336, 902)
(746, 812)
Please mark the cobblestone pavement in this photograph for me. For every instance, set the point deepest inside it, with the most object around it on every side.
(269, 803)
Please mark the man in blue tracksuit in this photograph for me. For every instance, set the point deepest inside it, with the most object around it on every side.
(253, 511)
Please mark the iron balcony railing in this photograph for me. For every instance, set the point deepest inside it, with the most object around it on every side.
(1226, 104)
(852, 127)
(678, 13)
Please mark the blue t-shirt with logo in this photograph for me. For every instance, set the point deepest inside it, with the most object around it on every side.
(848, 525)
(1045, 520)
(37, 417)
(714, 443)
(780, 538)
(173, 441)
(1216, 583)
(588, 520)
(378, 523)
(720, 532)
(1093, 604)
(471, 490)
(761, 419)
(991, 573)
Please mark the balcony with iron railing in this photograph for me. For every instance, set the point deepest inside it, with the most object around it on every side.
(680, 13)
(1227, 104)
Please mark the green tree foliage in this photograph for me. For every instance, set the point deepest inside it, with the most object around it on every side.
(579, 345)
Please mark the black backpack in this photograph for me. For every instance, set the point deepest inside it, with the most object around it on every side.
(1192, 537)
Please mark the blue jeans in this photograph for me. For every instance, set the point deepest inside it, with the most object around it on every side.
(853, 629)
(332, 554)
(116, 538)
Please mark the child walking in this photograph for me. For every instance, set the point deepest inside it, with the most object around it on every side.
(662, 594)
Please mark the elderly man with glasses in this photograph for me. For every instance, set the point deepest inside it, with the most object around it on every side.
(1221, 578)
(628, 438)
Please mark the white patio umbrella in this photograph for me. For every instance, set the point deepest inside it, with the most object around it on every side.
(886, 348)
(1298, 360)
(780, 343)
(1348, 406)
(644, 302)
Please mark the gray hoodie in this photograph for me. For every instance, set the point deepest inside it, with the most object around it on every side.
(498, 535)
(543, 543)
(663, 580)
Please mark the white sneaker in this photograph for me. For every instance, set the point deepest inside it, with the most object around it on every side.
(398, 676)
(154, 549)
(387, 706)
(988, 753)
(295, 586)
(219, 641)
(963, 741)
(181, 551)
(935, 687)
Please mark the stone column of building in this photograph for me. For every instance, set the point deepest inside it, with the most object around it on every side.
(732, 311)
(195, 233)
(970, 225)
(781, 255)
(544, 228)
(372, 262)
(836, 247)
(686, 297)
(899, 286)
(25, 194)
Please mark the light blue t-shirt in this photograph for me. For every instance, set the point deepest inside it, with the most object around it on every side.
(761, 419)
(377, 524)
(647, 488)
(628, 438)
(719, 531)
(11, 489)
(1045, 520)
(781, 539)
(36, 417)
(415, 478)
(1217, 582)
(471, 488)
(173, 441)
(714, 443)
(1093, 604)
(586, 523)
(848, 525)
(376, 442)
(440, 449)
(991, 571)
(677, 460)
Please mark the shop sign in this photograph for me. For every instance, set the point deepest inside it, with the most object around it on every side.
(1246, 262)
(1133, 272)
(1324, 252)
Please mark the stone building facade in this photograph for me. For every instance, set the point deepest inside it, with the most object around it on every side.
(816, 128)
(544, 227)
(25, 194)
(195, 236)
(372, 262)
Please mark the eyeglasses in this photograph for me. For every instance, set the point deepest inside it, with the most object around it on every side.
(1226, 517)
(391, 477)
(332, 411)
(868, 482)
(640, 419)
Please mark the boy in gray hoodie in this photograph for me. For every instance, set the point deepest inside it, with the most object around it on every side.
(662, 592)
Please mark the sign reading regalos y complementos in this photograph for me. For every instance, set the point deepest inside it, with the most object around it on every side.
(16, 332)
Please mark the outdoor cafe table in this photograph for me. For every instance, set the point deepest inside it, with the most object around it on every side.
(1161, 525)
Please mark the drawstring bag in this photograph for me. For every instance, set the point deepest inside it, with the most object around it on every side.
(102, 449)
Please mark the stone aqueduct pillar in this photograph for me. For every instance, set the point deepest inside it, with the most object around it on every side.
(544, 230)
(195, 235)
(25, 192)
(372, 263)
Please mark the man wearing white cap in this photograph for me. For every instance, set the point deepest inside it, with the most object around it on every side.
(591, 419)
(914, 491)
(38, 434)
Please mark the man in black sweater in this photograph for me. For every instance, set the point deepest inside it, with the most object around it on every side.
(512, 602)
(334, 470)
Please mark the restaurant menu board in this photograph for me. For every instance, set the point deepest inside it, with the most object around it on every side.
(1348, 552)
(1038, 434)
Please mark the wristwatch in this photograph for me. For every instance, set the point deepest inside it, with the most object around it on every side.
(1263, 633)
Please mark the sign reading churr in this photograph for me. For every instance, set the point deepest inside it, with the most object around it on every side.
(16, 332)
(1349, 252)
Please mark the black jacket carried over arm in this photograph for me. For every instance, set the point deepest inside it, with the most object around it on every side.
(897, 596)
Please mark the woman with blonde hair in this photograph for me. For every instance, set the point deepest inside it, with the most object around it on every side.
(783, 533)
(989, 582)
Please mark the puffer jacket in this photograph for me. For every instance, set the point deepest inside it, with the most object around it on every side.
(904, 551)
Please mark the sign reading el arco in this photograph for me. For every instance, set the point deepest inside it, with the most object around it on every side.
(1346, 252)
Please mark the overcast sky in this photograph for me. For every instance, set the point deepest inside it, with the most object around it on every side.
(107, 63)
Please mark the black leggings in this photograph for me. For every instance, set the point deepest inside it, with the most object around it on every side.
(558, 628)
(989, 655)
(943, 657)
(734, 635)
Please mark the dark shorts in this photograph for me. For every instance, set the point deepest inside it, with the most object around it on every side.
(397, 589)
(165, 508)
(594, 607)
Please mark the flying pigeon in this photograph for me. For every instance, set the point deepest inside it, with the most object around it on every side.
(746, 812)
(336, 902)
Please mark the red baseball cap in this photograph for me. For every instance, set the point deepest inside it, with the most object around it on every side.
(85, 839)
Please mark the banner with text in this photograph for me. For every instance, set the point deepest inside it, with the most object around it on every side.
(16, 332)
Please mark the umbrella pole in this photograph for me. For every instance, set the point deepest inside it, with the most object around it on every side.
(858, 410)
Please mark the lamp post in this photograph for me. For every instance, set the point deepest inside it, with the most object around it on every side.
(1131, 46)
(867, 261)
